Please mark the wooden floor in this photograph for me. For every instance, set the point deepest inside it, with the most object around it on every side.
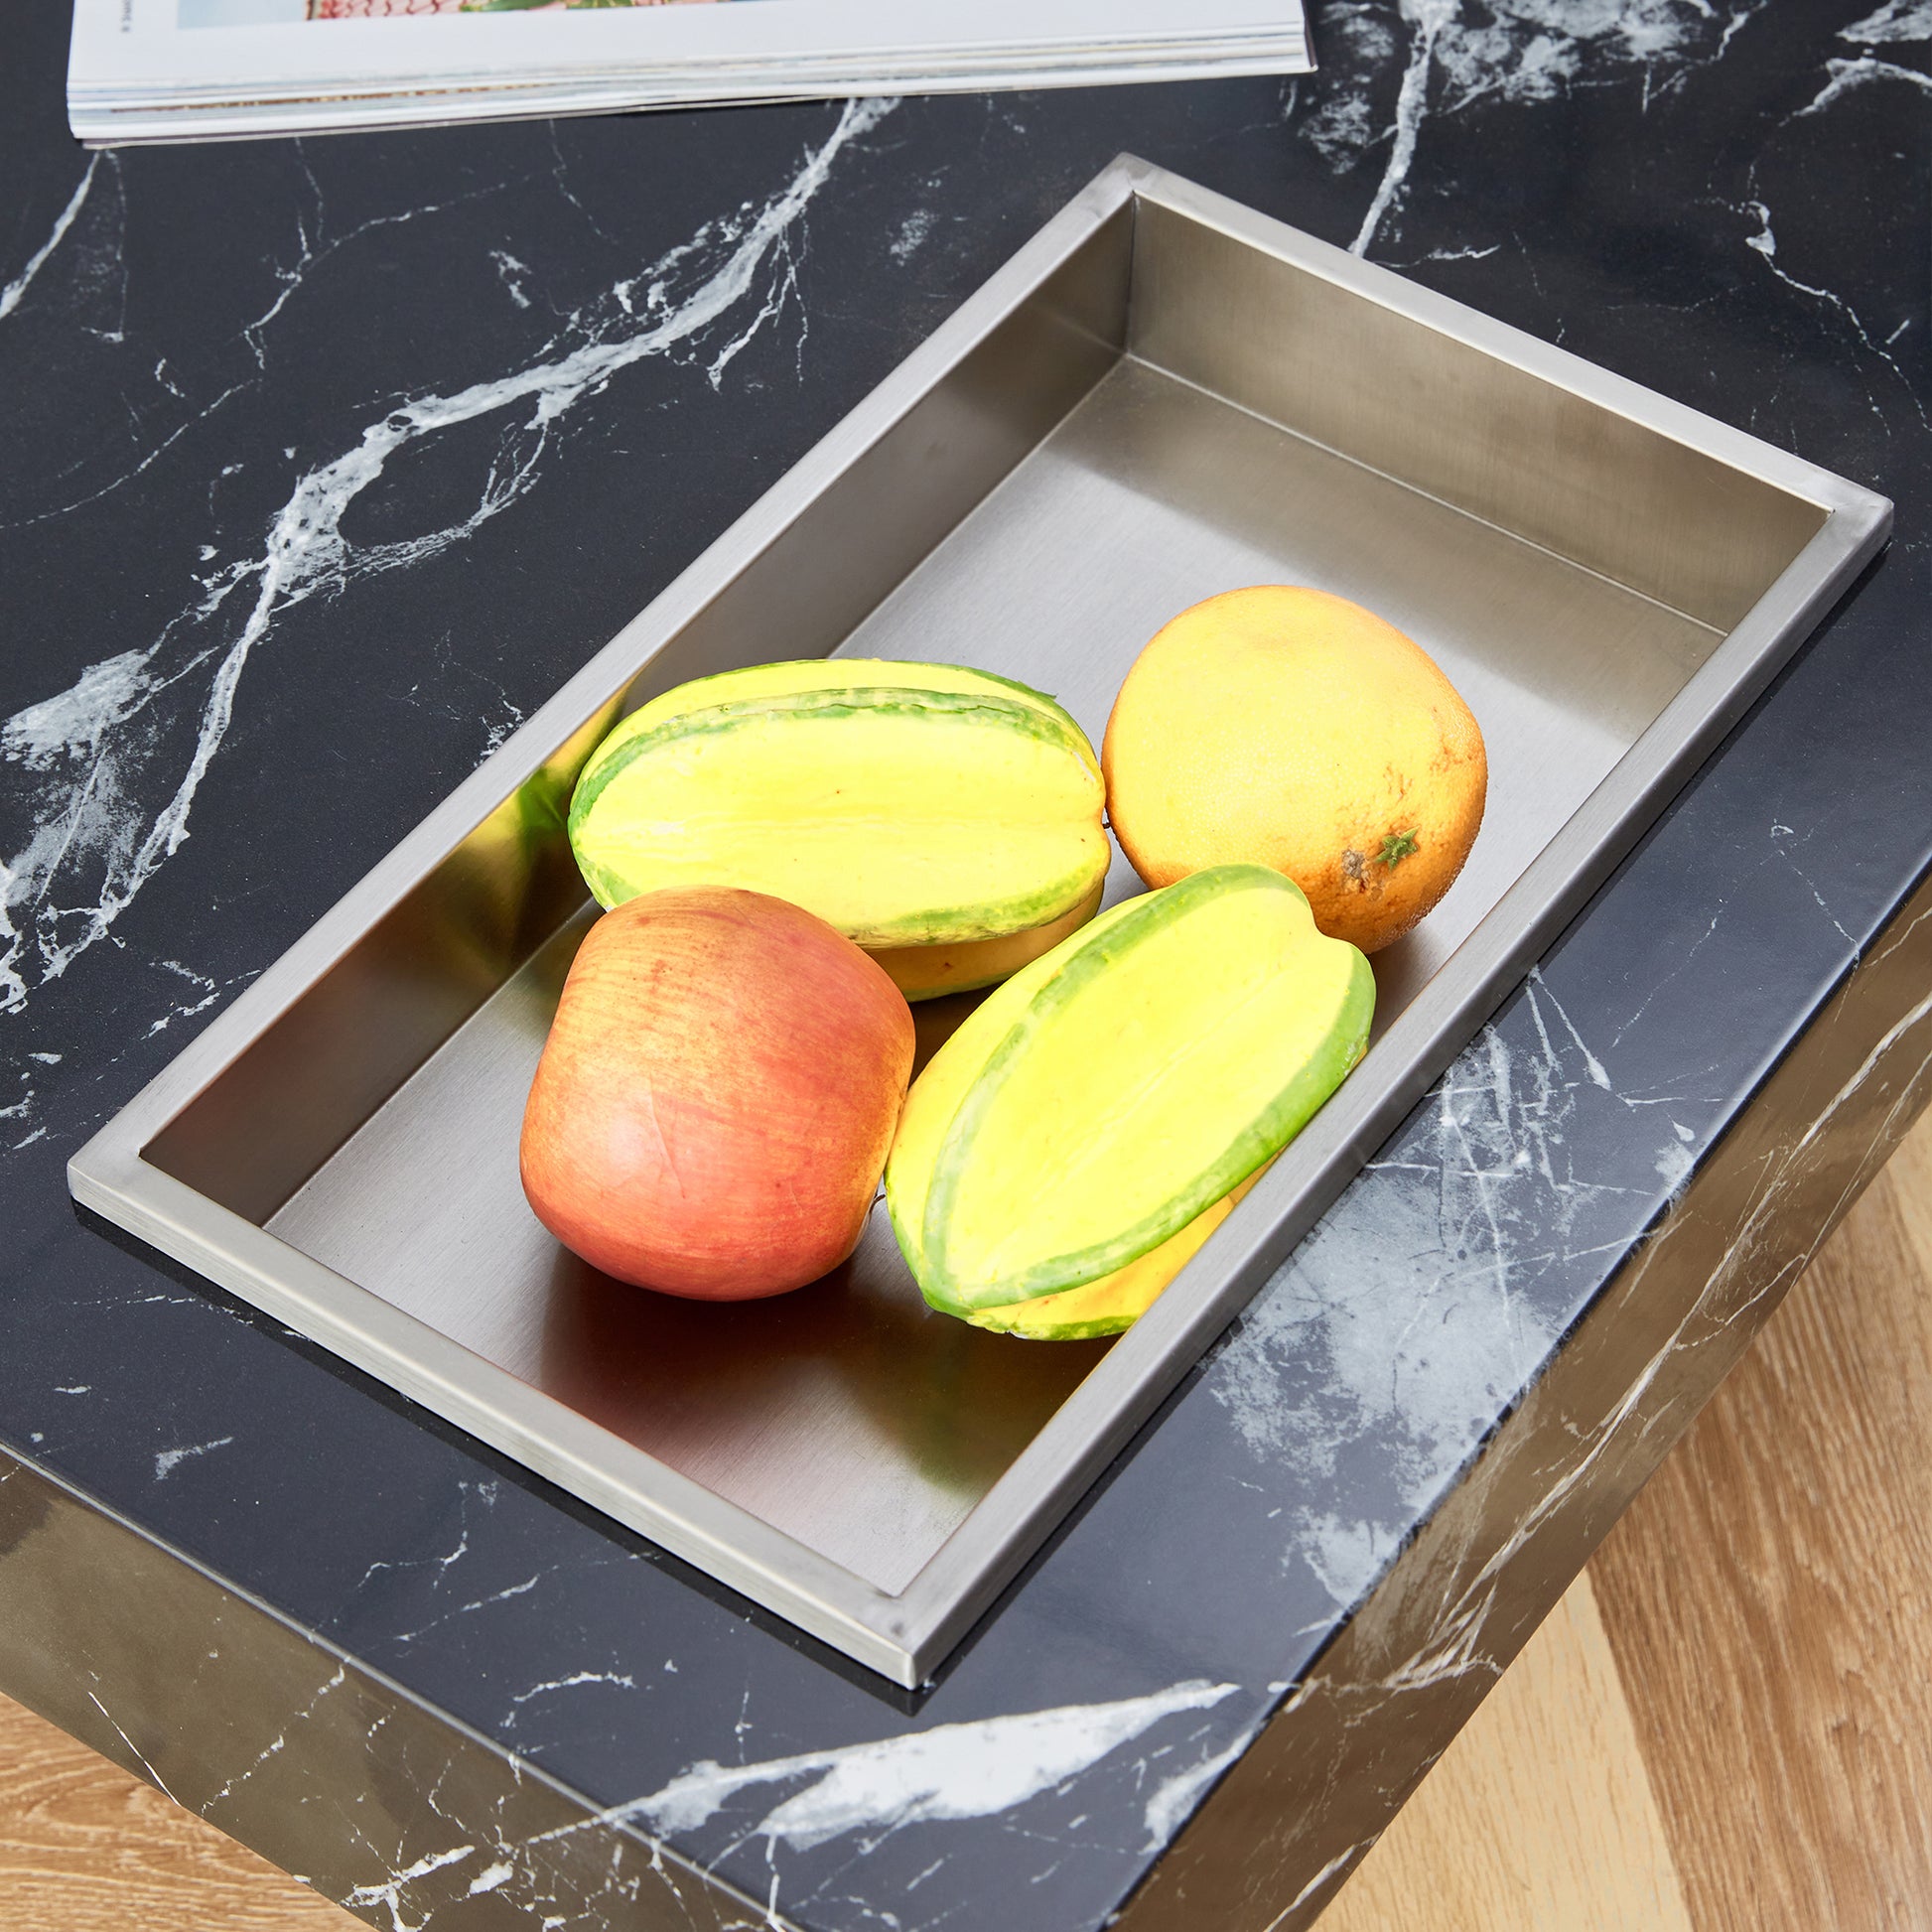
(1726, 1722)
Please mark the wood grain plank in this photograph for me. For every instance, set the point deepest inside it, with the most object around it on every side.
(1908, 1178)
(1539, 1817)
(1753, 1634)
(83, 1845)
(1765, 1599)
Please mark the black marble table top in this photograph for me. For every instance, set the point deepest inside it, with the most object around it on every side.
(324, 461)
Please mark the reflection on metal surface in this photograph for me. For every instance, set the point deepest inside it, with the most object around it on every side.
(405, 985)
(848, 1414)
(1163, 396)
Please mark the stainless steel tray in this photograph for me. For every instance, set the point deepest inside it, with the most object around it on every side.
(1162, 396)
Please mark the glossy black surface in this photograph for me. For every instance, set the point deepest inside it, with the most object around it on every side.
(243, 656)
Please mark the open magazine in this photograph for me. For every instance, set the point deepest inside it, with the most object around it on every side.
(203, 70)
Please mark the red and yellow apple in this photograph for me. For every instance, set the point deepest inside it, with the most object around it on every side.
(717, 1097)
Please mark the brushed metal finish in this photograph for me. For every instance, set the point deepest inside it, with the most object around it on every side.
(1422, 393)
(1154, 493)
(815, 1412)
(1163, 396)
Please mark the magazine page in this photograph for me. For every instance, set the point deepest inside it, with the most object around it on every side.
(291, 46)
(208, 69)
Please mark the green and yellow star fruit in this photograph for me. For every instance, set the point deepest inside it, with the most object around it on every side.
(947, 820)
(1069, 1149)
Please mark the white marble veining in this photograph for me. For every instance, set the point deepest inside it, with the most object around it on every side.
(105, 773)
(277, 1744)
(387, 1895)
(1407, 1316)
(1171, 1802)
(154, 1777)
(1847, 75)
(950, 1773)
(1416, 1314)
(1764, 244)
(1459, 54)
(166, 1461)
(1897, 23)
(10, 296)
(1449, 1613)
(1896, 20)
(568, 1874)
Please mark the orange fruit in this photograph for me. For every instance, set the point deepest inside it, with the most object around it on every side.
(1294, 729)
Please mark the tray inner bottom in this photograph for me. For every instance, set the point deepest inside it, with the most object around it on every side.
(847, 1414)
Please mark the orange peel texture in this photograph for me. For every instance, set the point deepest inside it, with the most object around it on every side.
(1289, 728)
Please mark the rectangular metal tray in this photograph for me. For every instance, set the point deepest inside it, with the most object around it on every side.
(1162, 396)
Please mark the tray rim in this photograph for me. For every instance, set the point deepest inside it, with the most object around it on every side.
(905, 1637)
